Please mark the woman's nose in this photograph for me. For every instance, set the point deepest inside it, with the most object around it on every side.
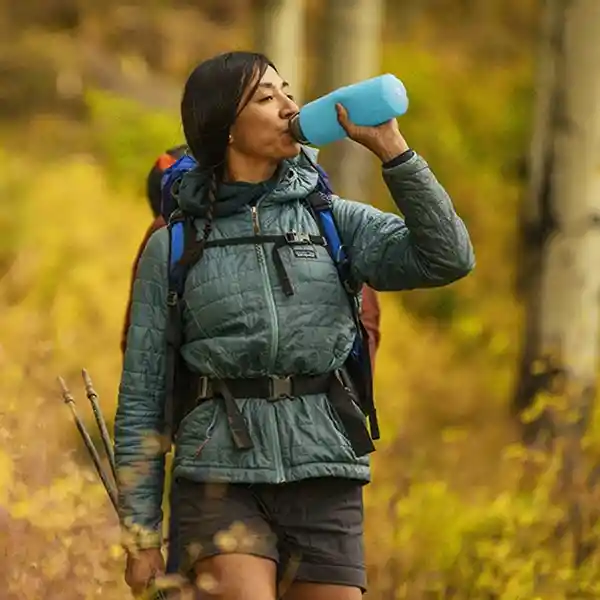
(289, 108)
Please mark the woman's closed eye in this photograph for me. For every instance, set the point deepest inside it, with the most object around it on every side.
(271, 97)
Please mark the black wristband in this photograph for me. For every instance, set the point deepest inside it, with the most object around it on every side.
(398, 160)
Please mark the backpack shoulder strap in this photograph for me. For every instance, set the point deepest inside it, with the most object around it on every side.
(176, 246)
(359, 361)
(179, 228)
(321, 206)
(320, 203)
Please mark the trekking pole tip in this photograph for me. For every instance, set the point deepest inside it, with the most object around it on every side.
(87, 381)
(66, 394)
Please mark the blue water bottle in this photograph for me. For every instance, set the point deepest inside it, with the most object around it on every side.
(369, 103)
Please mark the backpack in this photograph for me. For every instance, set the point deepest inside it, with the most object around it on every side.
(358, 365)
(154, 177)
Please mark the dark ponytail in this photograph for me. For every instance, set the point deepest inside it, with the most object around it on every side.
(194, 249)
(216, 91)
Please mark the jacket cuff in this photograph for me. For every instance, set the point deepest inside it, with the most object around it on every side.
(398, 160)
(136, 537)
(407, 168)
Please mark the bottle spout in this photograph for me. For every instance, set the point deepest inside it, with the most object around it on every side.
(296, 130)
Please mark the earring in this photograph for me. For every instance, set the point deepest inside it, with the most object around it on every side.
(230, 139)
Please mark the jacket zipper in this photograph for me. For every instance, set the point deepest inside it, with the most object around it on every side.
(255, 225)
(280, 477)
(270, 300)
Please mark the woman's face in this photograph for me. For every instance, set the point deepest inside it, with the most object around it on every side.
(261, 129)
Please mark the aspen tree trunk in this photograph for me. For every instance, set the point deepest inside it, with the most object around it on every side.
(351, 39)
(279, 33)
(561, 219)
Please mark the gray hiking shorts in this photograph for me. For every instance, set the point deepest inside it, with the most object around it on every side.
(312, 529)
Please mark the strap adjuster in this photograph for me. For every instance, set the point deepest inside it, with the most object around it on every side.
(203, 388)
(294, 237)
(172, 298)
(281, 387)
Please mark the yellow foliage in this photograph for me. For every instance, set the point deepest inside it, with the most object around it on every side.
(6, 477)
(458, 510)
(62, 300)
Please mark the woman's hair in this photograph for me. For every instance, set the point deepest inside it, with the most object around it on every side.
(215, 93)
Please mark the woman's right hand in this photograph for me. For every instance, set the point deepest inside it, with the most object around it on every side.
(142, 568)
(385, 140)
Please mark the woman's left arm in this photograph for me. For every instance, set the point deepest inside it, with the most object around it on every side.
(430, 247)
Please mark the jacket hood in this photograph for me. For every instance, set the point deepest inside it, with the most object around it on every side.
(295, 178)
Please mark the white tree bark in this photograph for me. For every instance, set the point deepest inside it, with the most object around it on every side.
(352, 31)
(279, 33)
(571, 285)
(563, 211)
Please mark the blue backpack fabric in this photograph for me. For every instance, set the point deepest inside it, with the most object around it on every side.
(170, 180)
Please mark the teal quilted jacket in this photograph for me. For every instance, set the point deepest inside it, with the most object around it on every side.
(238, 323)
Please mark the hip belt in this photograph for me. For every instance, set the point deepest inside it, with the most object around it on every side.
(335, 385)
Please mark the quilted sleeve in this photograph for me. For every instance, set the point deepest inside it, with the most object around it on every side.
(139, 417)
(429, 247)
(154, 226)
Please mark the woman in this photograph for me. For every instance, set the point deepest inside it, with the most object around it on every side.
(287, 506)
(369, 310)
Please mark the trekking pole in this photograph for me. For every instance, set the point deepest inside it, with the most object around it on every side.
(153, 592)
(70, 402)
(170, 589)
(106, 441)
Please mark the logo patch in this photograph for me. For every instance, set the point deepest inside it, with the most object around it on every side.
(303, 251)
(301, 244)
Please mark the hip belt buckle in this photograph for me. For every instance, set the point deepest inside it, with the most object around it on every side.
(281, 387)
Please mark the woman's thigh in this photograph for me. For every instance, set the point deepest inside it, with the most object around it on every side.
(225, 542)
(236, 577)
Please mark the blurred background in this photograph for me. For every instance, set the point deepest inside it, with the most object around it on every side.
(485, 477)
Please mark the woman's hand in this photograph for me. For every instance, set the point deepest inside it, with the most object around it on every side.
(385, 140)
(143, 568)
